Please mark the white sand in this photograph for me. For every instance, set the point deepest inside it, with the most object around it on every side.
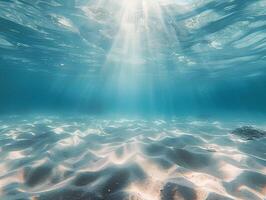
(80, 159)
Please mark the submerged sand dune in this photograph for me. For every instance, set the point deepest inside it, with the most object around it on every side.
(90, 159)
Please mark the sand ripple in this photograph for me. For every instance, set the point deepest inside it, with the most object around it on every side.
(88, 158)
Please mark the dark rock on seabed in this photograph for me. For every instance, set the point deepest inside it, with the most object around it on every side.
(249, 132)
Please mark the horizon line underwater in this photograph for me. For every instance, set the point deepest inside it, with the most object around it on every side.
(132, 100)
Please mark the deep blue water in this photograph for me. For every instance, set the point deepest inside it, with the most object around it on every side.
(166, 57)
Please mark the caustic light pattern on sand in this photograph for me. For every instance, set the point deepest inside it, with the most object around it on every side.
(52, 158)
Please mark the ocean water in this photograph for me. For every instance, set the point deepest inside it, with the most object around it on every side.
(132, 99)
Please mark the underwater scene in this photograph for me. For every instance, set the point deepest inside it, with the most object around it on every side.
(132, 99)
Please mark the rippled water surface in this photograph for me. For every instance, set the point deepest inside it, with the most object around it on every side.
(179, 36)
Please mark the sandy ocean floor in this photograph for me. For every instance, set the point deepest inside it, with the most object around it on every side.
(51, 158)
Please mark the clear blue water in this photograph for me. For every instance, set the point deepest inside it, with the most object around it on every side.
(141, 57)
(132, 99)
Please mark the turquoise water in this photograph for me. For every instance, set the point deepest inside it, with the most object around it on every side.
(132, 99)
(141, 57)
